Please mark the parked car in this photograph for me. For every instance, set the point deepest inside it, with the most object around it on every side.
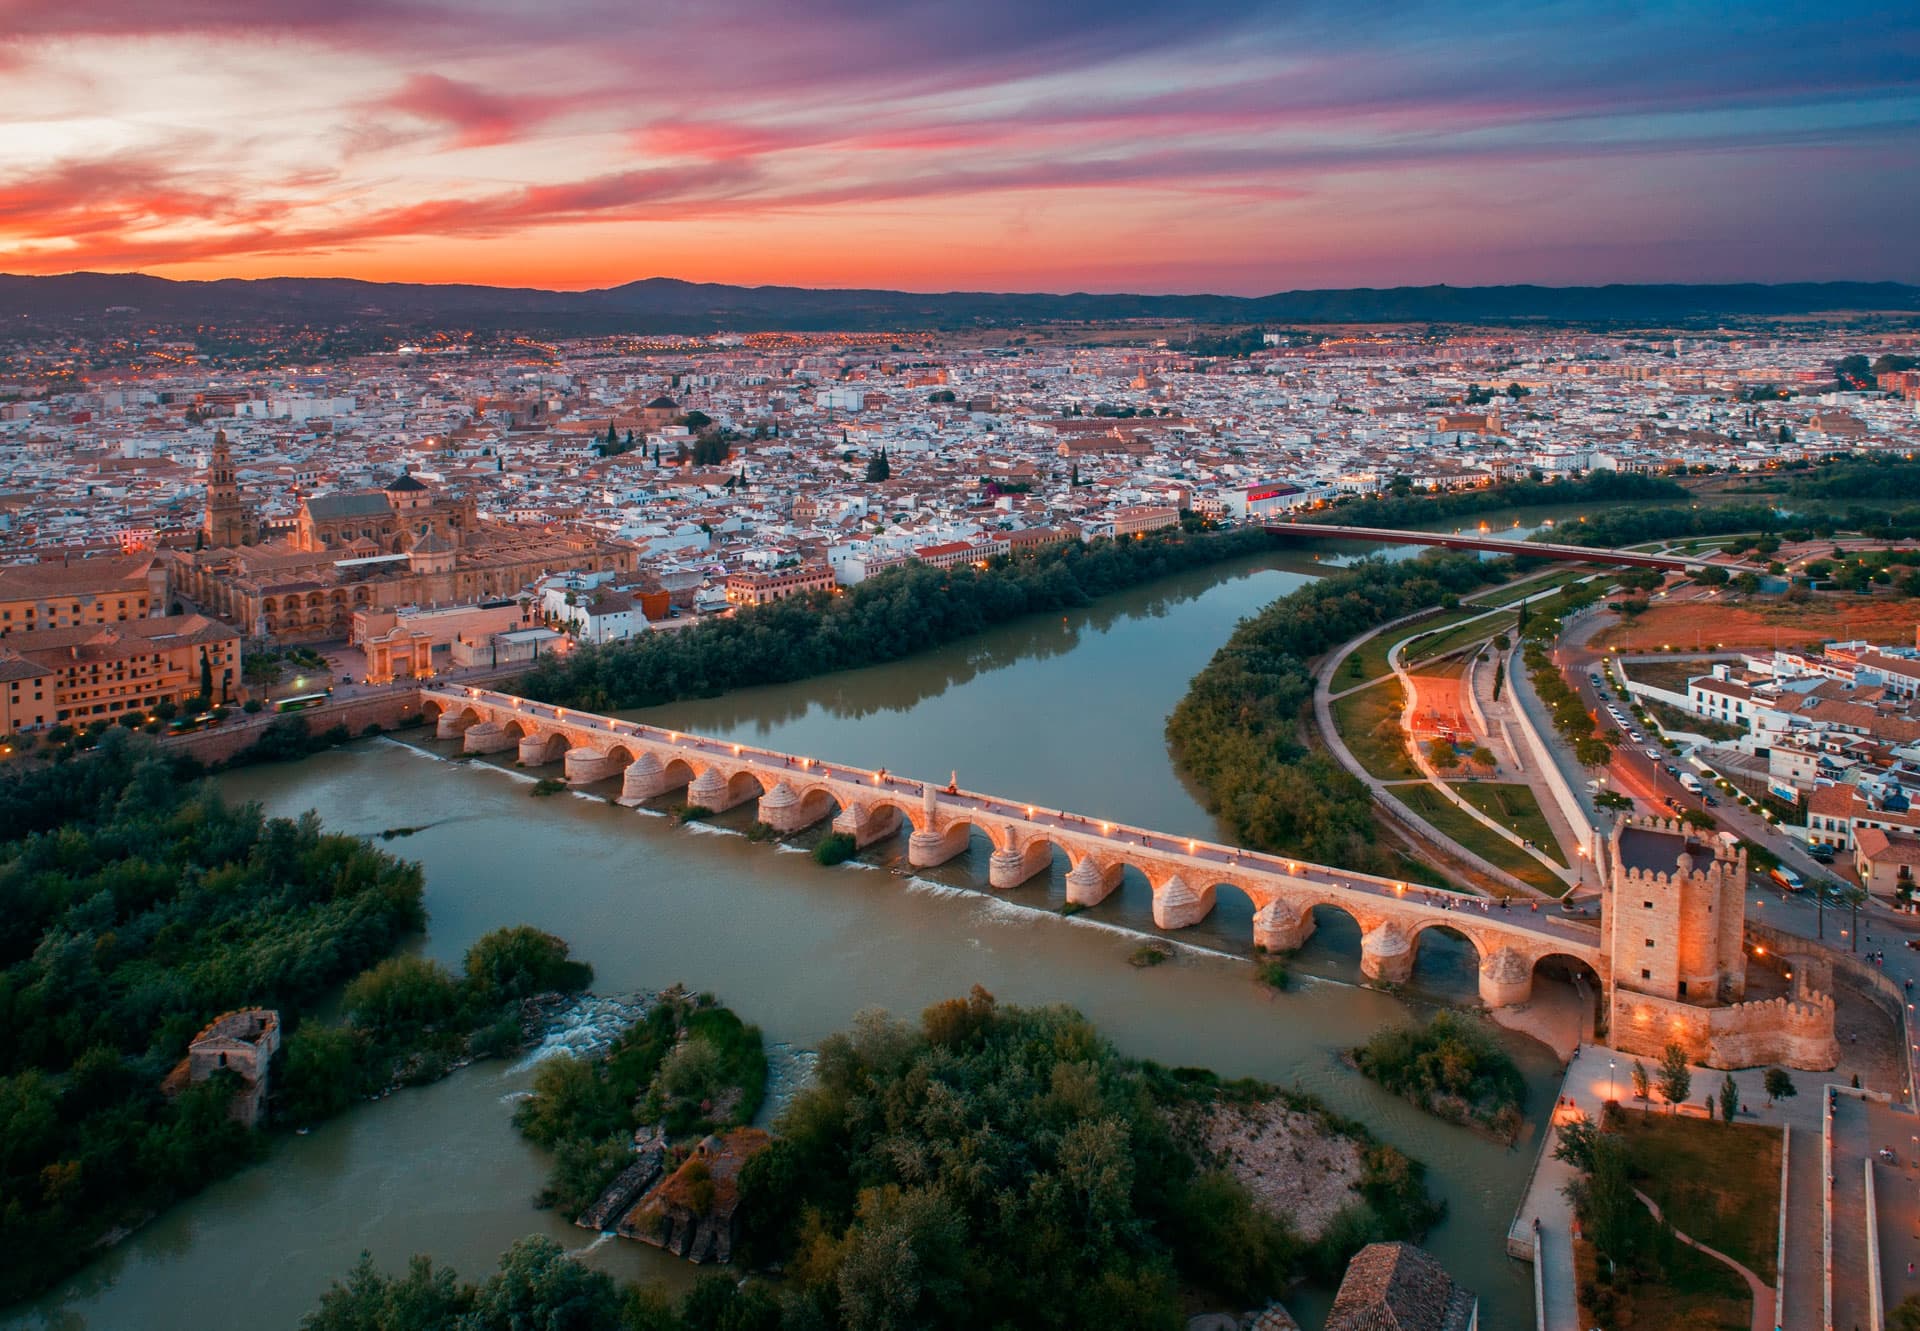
(1712, 803)
(1672, 770)
(1650, 751)
(1821, 852)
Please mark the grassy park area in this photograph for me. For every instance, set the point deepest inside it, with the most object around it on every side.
(1372, 654)
(1719, 1182)
(1513, 804)
(1452, 822)
(1369, 721)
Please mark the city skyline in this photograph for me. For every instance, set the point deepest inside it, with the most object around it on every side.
(1243, 149)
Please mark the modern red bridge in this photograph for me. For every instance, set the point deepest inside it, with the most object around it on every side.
(1325, 531)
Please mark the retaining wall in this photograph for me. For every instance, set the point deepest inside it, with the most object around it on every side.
(1543, 758)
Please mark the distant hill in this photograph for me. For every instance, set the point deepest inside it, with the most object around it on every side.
(662, 305)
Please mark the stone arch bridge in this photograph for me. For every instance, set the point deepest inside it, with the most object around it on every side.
(795, 792)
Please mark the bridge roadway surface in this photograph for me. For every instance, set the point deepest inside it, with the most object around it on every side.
(797, 791)
(1498, 545)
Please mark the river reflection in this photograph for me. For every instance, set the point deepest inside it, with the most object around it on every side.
(1066, 710)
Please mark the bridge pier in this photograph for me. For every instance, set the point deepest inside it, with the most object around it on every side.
(1281, 926)
(780, 809)
(1386, 954)
(928, 848)
(645, 779)
(451, 724)
(1010, 868)
(1089, 885)
(1506, 978)
(711, 790)
(1176, 905)
(485, 737)
(586, 766)
(533, 750)
(867, 826)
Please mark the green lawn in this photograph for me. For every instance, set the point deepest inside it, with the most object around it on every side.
(1514, 804)
(1457, 825)
(1437, 629)
(1369, 721)
(1461, 635)
(1719, 1182)
(1669, 675)
(1699, 1293)
(1672, 718)
(1552, 578)
(1372, 654)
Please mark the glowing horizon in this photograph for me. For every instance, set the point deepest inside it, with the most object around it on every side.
(1245, 147)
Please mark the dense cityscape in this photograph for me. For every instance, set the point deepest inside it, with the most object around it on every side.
(759, 667)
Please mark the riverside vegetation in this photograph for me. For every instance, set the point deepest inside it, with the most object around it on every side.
(135, 906)
(1450, 1066)
(885, 618)
(952, 1173)
(1237, 732)
(689, 1065)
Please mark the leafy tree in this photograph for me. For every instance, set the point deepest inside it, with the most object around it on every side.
(402, 993)
(1440, 753)
(878, 468)
(1780, 1085)
(1729, 1098)
(1676, 1077)
(1642, 1085)
(511, 964)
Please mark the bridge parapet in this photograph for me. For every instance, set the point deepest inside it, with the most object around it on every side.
(1185, 874)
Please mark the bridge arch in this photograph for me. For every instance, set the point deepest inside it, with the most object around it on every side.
(1578, 975)
(542, 747)
(912, 812)
(1417, 930)
(1436, 971)
(747, 783)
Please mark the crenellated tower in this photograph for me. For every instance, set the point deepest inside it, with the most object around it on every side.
(1676, 913)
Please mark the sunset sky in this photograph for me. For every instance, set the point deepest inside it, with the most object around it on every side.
(1230, 146)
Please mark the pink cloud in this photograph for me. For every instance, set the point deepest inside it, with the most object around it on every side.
(476, 117)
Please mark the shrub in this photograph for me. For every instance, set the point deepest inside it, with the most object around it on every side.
(402, 993)
(835, 848)
(507, 965)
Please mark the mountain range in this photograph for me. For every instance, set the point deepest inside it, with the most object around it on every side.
(668, 305)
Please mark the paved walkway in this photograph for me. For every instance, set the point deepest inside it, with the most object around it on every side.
(1806, 1254)
(1762, 1295)
(1851, 1135)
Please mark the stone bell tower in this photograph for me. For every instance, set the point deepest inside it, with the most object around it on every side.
(225, 524)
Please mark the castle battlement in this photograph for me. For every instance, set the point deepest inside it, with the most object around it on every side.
(1675, 938)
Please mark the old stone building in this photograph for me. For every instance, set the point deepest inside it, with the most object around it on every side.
(406, 544)
(243, 1043)
(1675, 946)
(1399, 1287)
(691, 1212)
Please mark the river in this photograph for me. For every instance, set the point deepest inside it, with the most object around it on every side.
(1065, 710)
